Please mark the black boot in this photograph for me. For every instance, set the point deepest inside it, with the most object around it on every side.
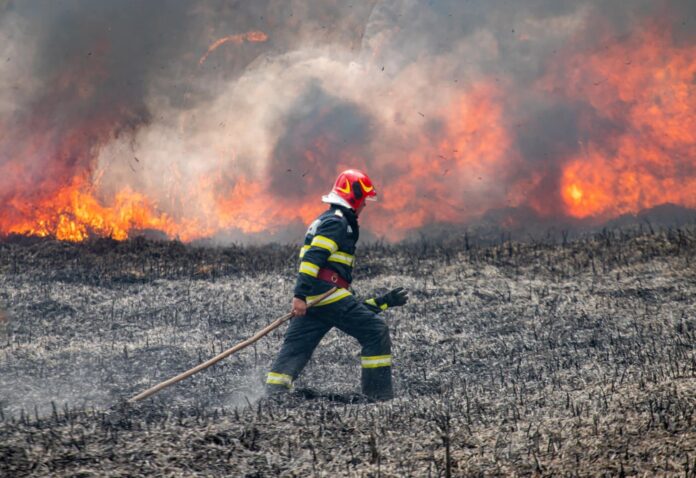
(278, 384)
(276, 390)
(377, 383)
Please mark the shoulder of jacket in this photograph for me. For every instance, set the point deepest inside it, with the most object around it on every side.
(333, 216)
(334, 219)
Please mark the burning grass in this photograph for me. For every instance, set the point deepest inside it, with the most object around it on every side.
(516, 358)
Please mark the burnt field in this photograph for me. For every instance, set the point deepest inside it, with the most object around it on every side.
(544, 358)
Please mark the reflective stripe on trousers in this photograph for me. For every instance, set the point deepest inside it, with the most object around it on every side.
(279, 379)
(376, 361)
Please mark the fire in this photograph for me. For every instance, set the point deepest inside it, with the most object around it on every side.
(73, 214)
(252, 37)
(575, 193)
(439, 182)
(450, 162)
(249, 207)
(644, 84)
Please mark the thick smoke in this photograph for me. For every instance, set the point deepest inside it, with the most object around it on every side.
(446, 103)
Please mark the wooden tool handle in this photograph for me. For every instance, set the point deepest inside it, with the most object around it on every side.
(261, 333)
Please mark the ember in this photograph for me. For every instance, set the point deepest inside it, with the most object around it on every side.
(249, 36)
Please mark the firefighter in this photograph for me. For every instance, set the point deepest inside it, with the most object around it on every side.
(326, 261)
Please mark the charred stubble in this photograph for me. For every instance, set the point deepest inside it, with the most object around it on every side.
(516, 358)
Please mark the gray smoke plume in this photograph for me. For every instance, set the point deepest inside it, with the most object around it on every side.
(128, 94)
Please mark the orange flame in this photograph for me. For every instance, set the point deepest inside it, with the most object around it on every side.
(641, 84)
(73, 214)
(435, 181)
(646, 84)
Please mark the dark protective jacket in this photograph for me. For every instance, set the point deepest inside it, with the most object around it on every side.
(330, 243)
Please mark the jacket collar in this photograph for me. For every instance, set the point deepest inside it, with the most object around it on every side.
(350, 216)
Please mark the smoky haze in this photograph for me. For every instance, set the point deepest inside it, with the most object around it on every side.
(455, 108)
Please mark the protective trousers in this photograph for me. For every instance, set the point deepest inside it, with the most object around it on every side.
(351, 317)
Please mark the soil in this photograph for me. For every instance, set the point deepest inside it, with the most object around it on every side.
(546, 358)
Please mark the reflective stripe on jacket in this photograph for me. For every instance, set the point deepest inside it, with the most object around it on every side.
(329, 243)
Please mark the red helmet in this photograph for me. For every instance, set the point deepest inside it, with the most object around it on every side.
(351, 189)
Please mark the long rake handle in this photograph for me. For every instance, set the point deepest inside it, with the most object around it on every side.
(261, 333)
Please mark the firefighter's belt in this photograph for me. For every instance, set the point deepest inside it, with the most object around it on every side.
(332, 277)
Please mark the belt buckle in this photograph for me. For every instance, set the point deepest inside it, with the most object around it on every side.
(334, 278)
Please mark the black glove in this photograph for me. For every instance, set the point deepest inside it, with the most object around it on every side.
(394, 298)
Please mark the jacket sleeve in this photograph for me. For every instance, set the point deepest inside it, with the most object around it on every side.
(376, 305)
(329, 234)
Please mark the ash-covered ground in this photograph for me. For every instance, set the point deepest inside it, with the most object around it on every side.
(512, 359)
